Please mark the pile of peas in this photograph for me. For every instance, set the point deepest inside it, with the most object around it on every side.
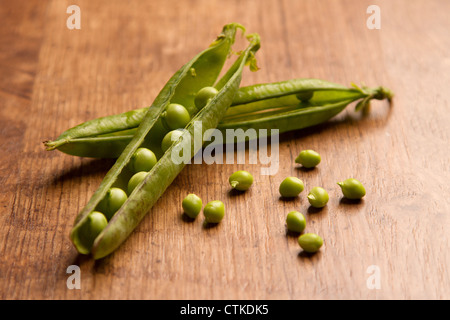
(317, 198)
(290, 187)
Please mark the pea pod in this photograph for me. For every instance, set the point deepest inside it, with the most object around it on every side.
(181, 88)
(284, 119)
(267, 104)
(294, 118)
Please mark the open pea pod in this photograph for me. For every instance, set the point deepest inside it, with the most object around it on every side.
(181, 88)
(322, 95)
(289, 119)
(308, 113)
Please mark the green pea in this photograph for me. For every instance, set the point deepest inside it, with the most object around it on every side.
(175, 116)
(97, 222)
(192, 205)
(318, 197)
(291, 187)
(305, 96)
(308, 158)
(204, 95)
(352, 189)
(310, 242)
(241, 180)
(112, 202)
(94, 224)
(135, 180)
(170, 138)
(295, 221)
(143, 159)
(214, 211)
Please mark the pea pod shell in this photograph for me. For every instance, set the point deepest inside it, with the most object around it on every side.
(181, 83)
(164, 172)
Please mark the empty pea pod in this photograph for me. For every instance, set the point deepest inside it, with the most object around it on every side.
(181, 88)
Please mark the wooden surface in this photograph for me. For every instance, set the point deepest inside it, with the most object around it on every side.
(53, 78)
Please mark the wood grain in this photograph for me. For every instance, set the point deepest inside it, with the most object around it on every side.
(54, 78)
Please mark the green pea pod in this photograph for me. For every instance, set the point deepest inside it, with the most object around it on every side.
(299, 117)
(106, 137)
(294, 118)
(181, 88)
(289, 120)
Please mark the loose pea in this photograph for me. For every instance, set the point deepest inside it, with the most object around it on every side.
(192, 205)
(291, 187)
(241, 180)
(214, 211)
(170, 138)
(204, 95)
(310, 242)
(295, 221)
(308, 158)
(305, 96)
(175, 116)
(114, 199)
(352, 189)
(135, 180)
(142, 160)
(318, 197)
